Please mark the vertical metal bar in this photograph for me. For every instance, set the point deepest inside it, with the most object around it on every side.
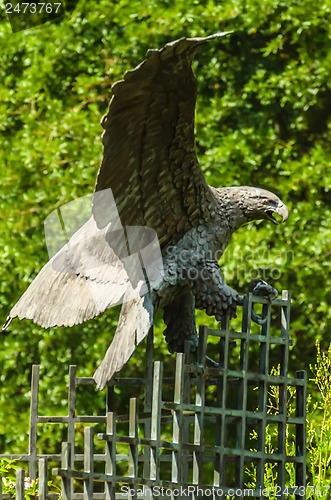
(281, 474)
(265, 346)
(300, 445)
(149, 368)
(220, 418)
(88, 463)
(20, 492)
(148, 403)
(33, 423)
(244, 355)
(72, 410)
(224, 430)
(133, 447)
(263, 397)
(247, 314)
(110, 407)
(281, 469)
(242, 406)
(178, 420)
(110, 452)
(66, 465)
(155, 422)
(185, 430)
(0, 488)
(285, 318)
(71, 417)
(110, 400)
(200, 401)
(43, 479)
(285, 333)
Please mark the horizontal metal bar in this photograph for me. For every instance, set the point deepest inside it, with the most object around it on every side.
(252, 337)
(199, 447)
(121, 381)
(76, 474)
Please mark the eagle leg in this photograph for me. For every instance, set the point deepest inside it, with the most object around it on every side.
(179, 316)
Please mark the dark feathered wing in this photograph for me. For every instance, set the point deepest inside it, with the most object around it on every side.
(80, 282)
(151, 167)
(149, 158)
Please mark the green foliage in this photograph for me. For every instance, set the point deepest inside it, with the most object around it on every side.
(271, 443)
(319, 422)
(263, 118)
(318, 432)
(8, 469)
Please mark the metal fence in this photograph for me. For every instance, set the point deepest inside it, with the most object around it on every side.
(209, 430)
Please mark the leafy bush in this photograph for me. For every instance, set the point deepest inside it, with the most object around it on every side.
(263, 118)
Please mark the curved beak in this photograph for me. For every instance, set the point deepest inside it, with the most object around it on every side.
(284, 212)
(281, 210)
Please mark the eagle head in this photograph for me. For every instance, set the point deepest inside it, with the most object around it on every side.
(251, 203)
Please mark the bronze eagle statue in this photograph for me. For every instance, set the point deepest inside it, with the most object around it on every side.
(150, 166)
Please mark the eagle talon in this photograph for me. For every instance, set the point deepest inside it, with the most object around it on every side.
(257, 319)
(240, 300)
(262, 288)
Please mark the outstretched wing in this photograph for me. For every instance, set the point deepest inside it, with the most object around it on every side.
(149, 158)
(80, 282)
(151, 167)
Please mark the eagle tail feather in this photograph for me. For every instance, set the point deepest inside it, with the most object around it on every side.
(134, 323)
